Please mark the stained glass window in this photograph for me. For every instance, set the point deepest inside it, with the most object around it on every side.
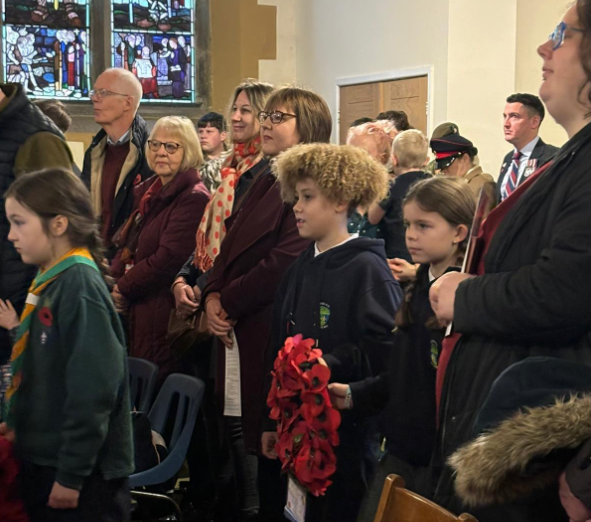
(154, 40)
(45, 46)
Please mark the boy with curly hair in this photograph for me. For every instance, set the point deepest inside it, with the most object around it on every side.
(339, 292)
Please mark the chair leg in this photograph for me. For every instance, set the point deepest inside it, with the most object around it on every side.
(157, 496)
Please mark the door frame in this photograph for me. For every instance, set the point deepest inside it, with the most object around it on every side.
(397, 74)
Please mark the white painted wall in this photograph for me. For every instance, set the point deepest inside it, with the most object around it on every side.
(481, 73)
(283, 69)
(480, 51)
(538, 18)
(347, 38)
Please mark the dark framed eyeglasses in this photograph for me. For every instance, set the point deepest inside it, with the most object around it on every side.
(557, 36)
(276, 117)
(99, 94)
(169, 146)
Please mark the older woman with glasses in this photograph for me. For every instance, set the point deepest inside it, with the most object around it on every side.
(158, 237)
(529, 294)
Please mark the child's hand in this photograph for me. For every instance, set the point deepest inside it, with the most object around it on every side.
(268, 441)
(402, 270)
(338, 395)
(8, 316)
(62, 497)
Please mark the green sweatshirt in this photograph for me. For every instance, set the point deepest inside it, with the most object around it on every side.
(72, 410)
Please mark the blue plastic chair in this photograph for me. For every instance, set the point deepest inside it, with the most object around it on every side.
(186, 393)
(142, 381)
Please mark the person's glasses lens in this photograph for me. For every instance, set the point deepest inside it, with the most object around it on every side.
(276, 117)
(171, 148)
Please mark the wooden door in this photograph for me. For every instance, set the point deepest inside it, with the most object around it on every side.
(369, 99)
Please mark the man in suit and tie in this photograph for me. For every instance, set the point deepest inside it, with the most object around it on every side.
(522, 119)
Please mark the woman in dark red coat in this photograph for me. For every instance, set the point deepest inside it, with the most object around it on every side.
(158, 238)
(261, 243)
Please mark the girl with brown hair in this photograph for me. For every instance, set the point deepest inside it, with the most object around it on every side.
(67, 407)
(437, 216)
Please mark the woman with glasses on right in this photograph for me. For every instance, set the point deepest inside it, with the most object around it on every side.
(531, 292)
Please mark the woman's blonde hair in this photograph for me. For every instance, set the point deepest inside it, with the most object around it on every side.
(343, 173)
(257, 93)
(184, 131)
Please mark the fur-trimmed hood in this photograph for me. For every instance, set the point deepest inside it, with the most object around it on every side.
(523, 453)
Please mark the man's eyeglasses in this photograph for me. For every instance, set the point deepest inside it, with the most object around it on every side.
(99, 94)
(275, 116)
(557, 36)
(169, 146)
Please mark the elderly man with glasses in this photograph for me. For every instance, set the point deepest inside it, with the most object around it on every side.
(116, 158)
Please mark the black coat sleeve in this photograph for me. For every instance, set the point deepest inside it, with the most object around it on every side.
(376, 310)
(370, 396)
(190, 273)
(578, 474)
(548, 299)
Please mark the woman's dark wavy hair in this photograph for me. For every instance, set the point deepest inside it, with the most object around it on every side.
(52, 192)
(584, 13)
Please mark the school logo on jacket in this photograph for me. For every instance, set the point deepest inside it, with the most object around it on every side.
(324, 315)
(434, 354)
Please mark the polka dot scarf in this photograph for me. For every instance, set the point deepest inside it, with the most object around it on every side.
(212, 229)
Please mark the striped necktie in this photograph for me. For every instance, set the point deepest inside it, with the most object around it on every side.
(513, 177)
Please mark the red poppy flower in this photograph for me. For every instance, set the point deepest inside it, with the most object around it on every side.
(284, 450)
(315, 403)
(137, 180)
(317, 378)
(325, 425)
(45, 316)
(290, 412)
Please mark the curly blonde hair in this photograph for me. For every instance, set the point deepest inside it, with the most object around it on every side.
(343, 173)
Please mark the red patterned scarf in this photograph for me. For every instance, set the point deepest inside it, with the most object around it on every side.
(212, 230)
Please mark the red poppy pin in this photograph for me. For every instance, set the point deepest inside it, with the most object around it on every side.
(137, 180)
(45, 316)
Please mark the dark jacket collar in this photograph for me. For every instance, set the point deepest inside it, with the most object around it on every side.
(139, 133)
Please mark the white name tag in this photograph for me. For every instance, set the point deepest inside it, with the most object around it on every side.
(32, 299)
(232, 399)
(295, 508)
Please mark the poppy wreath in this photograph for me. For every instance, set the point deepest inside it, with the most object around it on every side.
(307, 423)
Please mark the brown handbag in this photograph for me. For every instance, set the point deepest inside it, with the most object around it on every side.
(183, 334)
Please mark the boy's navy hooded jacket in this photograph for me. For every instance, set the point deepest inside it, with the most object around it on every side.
(345, 299)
